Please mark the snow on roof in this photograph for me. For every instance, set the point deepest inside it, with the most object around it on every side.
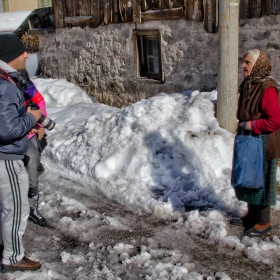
(10, 21)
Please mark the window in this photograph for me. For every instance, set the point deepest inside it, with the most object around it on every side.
(44, 3)
(148, 55)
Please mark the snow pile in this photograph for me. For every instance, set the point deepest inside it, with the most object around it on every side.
(160, 154)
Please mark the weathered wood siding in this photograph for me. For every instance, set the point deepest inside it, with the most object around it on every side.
(125, 11)
(258, 8)
(270, 7)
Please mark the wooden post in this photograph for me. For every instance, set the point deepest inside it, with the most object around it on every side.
(270, 7)
(136, 10)
(59, 13)
(228, 68)
(95, 13)
(189, 8)
(255, 8)
(106, 12)
(243, 9)
(197, 15)
(210, 16)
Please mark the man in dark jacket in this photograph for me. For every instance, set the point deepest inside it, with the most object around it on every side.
(15, 124)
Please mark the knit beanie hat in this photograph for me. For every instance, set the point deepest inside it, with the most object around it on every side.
(11, 47)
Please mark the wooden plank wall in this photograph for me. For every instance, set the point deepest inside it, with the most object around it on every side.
(258, 8)
(270, 7)
(117, 11)
(211, 16)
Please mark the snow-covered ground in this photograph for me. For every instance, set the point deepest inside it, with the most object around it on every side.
(137, 192)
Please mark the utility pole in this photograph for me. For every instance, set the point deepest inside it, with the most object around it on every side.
(228, 64)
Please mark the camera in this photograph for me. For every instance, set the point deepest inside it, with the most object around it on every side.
(46, 122)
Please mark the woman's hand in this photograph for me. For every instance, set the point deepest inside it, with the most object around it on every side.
(246, 125)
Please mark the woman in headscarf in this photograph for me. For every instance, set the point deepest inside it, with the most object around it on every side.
(259, 112)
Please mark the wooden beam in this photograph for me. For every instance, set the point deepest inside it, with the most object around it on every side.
(211, 16)
(243, 8)
(95, 12)
(39, 31)
(116, 11)
(106, 12)
(83, 8)
(70, 8)
(136, 10)
(198, 14)
(270, 7)
(101, 11)
(277, 6)
(255, 8)
(189, 9)
(78, 19)
(58, 13)
(166, 14)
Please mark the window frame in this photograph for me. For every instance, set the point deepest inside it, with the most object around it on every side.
(147, 34)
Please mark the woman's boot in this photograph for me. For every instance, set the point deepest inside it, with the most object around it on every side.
(263, 224)
(249, 219)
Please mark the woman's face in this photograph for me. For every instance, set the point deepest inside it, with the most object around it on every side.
(247, 65)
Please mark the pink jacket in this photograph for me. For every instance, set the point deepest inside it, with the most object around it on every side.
(40, 101)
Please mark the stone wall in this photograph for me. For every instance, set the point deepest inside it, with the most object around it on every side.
(264, 34)
(102, 60)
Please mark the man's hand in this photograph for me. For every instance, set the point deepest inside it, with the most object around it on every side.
(41, 132)
(36, 113)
